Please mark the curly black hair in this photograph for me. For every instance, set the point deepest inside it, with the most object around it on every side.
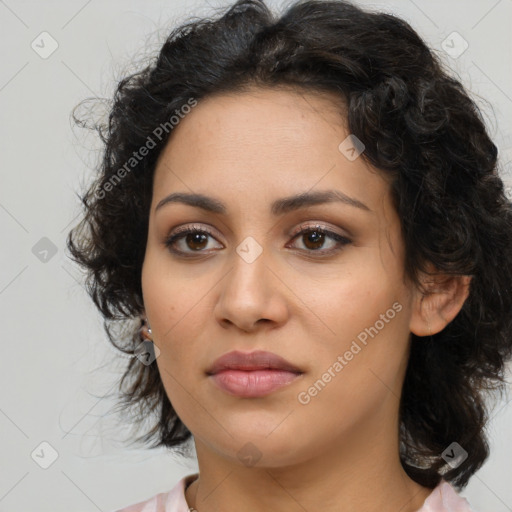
(419, 125)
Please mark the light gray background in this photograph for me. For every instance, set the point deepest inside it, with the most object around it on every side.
(56, 363)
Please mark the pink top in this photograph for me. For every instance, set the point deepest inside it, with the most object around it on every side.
(443, 498)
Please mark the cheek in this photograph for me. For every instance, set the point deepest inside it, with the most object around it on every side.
(356, 376)
(362, 290)
(367, 311)
(171, 298)
(174, 307)
(370, 333)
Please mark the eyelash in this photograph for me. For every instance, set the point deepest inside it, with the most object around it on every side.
(342, 240)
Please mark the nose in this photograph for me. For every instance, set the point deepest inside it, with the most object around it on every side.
(252, 295)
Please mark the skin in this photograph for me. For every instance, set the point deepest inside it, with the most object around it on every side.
(340, 451)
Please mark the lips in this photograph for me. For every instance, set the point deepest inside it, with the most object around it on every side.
(252, 374)
(258, 360)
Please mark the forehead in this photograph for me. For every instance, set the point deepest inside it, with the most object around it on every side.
(255, 120)
(264, 141)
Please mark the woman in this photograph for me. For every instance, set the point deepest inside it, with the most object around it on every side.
(300, 222)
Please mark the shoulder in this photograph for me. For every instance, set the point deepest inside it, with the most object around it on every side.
(444, 498)
(170, 501)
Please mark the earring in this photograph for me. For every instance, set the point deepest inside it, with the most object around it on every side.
(146, 351)
(145, 330)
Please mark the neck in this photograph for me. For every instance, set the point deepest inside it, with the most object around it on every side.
(344, 477)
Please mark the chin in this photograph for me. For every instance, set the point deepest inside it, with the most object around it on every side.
(252, 448)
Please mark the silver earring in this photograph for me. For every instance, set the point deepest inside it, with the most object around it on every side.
(145, 330)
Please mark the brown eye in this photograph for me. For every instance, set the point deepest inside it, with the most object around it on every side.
(189, 240)
(314, 238)
(196, 241)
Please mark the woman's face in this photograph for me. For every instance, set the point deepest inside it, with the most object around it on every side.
(336, 305)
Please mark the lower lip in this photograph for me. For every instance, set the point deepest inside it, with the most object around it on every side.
(254, 383)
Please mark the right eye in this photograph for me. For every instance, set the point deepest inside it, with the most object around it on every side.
(188, 240)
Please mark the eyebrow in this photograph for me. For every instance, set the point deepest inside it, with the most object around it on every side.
(279, 206)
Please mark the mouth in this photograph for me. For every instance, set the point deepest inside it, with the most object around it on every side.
(252, 374)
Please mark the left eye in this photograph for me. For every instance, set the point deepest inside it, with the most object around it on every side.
(316, 236)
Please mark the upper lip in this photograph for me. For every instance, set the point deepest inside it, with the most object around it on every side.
(257, 360)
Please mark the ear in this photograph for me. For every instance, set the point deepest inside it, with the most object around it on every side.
(441, 301)
(145, 329)
(143, 317)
